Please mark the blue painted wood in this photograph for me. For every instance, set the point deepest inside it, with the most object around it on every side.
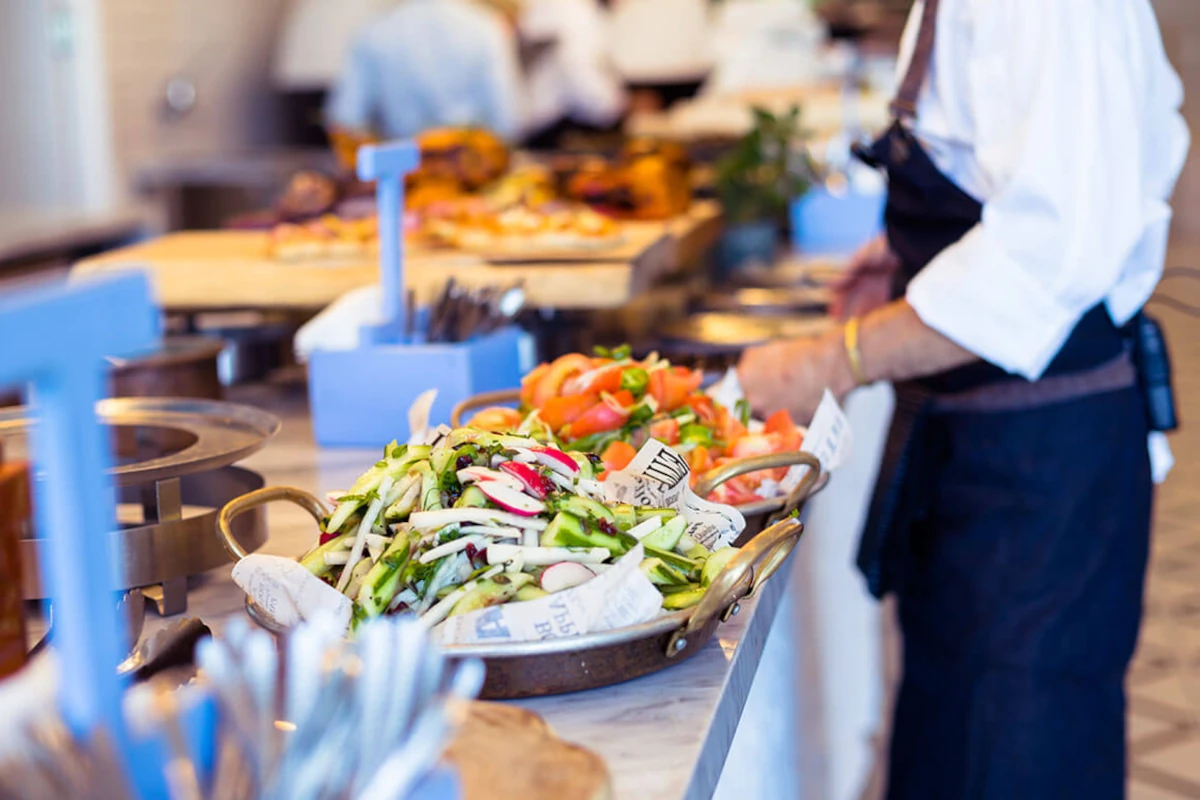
(55, 339)
(387, 164)
(360, 398)
(824, 223)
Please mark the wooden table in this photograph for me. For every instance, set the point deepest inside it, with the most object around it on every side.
(224, 270)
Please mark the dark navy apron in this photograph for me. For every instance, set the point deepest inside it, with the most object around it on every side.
(1011, 519)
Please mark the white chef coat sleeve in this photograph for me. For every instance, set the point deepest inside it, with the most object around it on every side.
(1060, 136)
(352, 103)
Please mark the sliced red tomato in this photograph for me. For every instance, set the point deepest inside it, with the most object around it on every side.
(530, 382)
(698, 460)
(781, 423)
(702, 406)
(618, 455)
(621, 402)
(550, 384)
(665, 430)
(757, 444)
(600, 418)
(605, 378)
(558, 412)
(743, 488)
(671, 387)
(497, 420)
(729, 428)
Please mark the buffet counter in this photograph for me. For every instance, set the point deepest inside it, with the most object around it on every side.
(799, 664)
(663, 736)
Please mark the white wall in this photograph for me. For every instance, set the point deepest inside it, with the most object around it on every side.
(224, 47)
(54, 126)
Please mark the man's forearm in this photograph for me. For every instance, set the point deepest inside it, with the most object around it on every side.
(897, 346)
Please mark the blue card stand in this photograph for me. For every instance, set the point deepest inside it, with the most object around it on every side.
(361, 397)
(824, 223)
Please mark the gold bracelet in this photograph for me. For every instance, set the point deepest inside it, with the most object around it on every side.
(853, 354)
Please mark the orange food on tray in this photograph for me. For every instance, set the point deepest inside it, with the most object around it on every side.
(610, 404)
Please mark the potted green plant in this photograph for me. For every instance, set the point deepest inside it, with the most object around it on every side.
(757, 181)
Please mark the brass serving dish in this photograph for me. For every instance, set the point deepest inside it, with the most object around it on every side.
(558, 666)
(758, 514)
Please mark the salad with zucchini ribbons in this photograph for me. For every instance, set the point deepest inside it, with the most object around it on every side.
(480, 519)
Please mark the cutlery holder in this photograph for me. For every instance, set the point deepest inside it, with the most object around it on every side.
(361, 397)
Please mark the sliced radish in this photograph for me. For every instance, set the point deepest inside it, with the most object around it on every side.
(440, 518)
(511, 499)
(483, 474)
(556, 460)
(565, 575)
(531, 480)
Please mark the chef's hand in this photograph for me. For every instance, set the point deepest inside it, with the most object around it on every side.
(794, 374)
(866, 283)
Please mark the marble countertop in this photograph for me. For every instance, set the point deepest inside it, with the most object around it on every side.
(663, 736)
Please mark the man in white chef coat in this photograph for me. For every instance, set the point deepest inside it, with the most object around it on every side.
(1034, 151)
(427, 64)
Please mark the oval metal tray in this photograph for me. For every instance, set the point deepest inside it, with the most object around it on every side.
(571, 664)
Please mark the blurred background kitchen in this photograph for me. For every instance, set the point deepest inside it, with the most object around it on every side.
(122, 120)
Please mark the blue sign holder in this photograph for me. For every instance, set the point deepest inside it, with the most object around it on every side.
(56, 338)
(361, 397)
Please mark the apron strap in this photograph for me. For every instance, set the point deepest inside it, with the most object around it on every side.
(904, 106)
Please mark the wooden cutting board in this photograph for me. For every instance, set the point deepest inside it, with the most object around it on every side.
(504, 751)
(223, 270)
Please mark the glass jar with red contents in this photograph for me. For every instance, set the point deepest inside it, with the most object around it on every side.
(14, 517)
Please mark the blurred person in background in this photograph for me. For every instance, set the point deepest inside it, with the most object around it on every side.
(572, 84)
(663, 49)
(1030, 165)
(427, 64)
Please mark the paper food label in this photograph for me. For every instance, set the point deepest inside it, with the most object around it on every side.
(658, 477)
(287, 591)
(728, 390)
(828, 438)
(618, 597)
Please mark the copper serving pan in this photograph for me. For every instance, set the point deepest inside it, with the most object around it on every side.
(558, 666)
(759, 514)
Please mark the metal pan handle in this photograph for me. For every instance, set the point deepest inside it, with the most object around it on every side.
(482, 401)
(260, 497)
(752, 566)
(742, 466)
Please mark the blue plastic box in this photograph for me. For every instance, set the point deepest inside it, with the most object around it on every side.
(824, 223)
(360, 398)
